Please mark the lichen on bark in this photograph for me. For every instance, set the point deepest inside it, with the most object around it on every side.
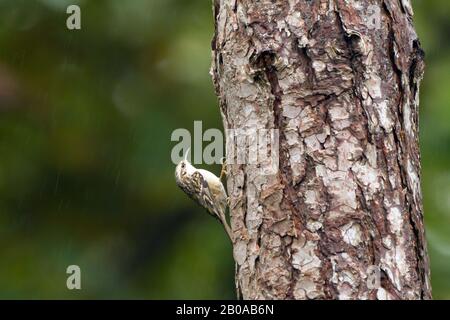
(345, 99)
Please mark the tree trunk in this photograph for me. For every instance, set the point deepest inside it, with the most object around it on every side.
(340, 80)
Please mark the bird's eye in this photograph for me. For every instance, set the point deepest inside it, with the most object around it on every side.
(183, 165)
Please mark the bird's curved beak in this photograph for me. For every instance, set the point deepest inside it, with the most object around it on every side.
(186, 155)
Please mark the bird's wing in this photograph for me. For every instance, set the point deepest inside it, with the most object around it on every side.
(216, 188)
(206, 199)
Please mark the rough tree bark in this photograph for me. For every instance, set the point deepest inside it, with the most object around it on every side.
(345, 99)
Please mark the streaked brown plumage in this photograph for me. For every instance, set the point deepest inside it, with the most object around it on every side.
(205, 188)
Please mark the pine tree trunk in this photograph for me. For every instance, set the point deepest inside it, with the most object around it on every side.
(343, 89)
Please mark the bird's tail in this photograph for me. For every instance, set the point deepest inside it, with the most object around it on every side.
(223, 220)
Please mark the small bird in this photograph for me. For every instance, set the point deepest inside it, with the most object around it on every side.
(205, 188)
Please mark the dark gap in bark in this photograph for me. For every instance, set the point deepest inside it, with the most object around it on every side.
(386, 283)
(306, 62)
(418, 245)
(398, 129)
(244, 191)
(416, 67)
(216, 9)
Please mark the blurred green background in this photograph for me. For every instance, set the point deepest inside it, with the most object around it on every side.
(85, 171)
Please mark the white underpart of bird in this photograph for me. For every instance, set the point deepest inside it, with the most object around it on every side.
(205, 188)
